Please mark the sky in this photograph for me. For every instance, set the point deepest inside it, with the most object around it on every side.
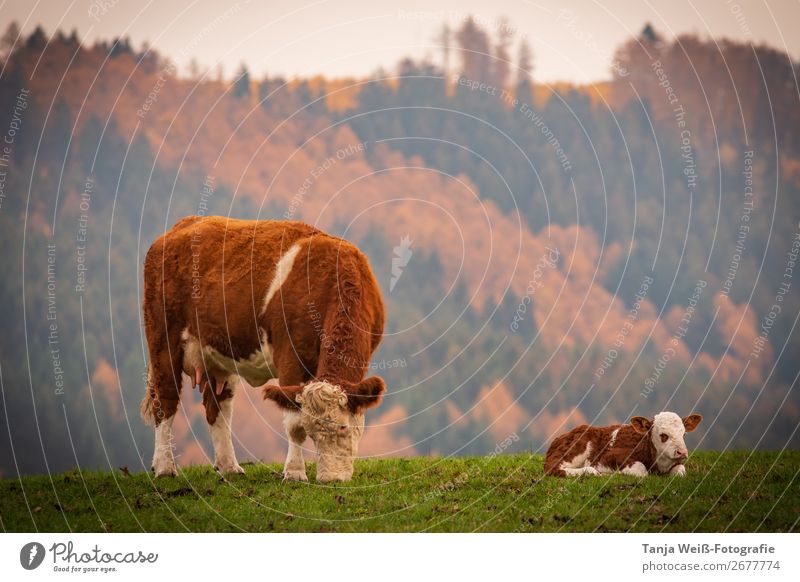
(572, 41)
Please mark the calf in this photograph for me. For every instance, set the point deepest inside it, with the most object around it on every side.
(262, 300)
(641, 447)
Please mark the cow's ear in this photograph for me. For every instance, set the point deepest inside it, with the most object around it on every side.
(365, 394)
(289, 397)
(690, 422)
(641, 424)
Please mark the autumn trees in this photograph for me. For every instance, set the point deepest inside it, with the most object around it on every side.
(476, 179)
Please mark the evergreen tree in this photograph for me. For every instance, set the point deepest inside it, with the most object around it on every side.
(524, 89)
(241, 87)
(9, 41)
(501, 65)
(444, 38)
(37, 40)
(476, 59)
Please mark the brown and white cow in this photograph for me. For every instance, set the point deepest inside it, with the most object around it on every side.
(260, 300)
(644, 446)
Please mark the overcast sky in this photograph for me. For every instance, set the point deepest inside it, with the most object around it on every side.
(571, 40)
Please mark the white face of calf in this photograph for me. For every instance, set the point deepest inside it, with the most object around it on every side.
(666, 433)
(335, 430)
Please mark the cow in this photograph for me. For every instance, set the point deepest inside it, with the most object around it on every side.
(642, 447)
(280, 304)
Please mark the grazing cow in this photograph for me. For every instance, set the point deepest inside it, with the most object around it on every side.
(261, 300)
(641, 447)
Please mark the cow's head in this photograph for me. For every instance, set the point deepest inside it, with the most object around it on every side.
(333, 416)
(666, 433)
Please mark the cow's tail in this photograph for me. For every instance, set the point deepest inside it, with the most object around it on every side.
(147, 408)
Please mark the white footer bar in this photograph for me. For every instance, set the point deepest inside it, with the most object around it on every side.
(388, 557)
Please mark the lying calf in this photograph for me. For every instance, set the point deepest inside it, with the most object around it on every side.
(641, 447)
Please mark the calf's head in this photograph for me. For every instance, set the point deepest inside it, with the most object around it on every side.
(666, 433)
(333, 416)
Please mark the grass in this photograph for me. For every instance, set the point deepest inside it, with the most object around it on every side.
(732, 491)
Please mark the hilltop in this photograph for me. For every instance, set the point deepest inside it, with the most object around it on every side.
(732, 491)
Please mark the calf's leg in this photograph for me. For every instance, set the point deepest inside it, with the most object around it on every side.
(577, 472)
(637, 469)
(578, 465)
(678, 470)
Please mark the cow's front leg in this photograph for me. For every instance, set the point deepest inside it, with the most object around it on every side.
(295, 467)
(218, 400)
(637, 469)
(678, 470)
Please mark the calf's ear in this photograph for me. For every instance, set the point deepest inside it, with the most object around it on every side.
(641, 424)
(365, 394)
(690, 422)
(288, 397)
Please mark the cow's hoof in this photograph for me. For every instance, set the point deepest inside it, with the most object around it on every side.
(165, 470)
(294, 475)
(332, 478)
(231, 467)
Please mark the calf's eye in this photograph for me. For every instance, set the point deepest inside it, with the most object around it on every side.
(664, 438)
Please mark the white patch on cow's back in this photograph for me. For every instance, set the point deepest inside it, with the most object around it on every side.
(256, 369)
(613, 438)
(282, 270)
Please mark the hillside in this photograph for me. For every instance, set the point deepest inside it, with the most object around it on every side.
(571, 257)
(733, 491)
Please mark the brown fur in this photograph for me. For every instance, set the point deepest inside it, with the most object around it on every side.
(360, 396)
(283, 396)
(211, 402)
(690, 422)
(211, 274)
(365, 394)
(629, 447)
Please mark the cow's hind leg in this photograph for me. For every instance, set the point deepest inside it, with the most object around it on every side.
(218, 401)
(163, 323)
(580, 463)
(161, 405)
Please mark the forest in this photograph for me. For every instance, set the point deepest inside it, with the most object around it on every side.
(549, 255)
